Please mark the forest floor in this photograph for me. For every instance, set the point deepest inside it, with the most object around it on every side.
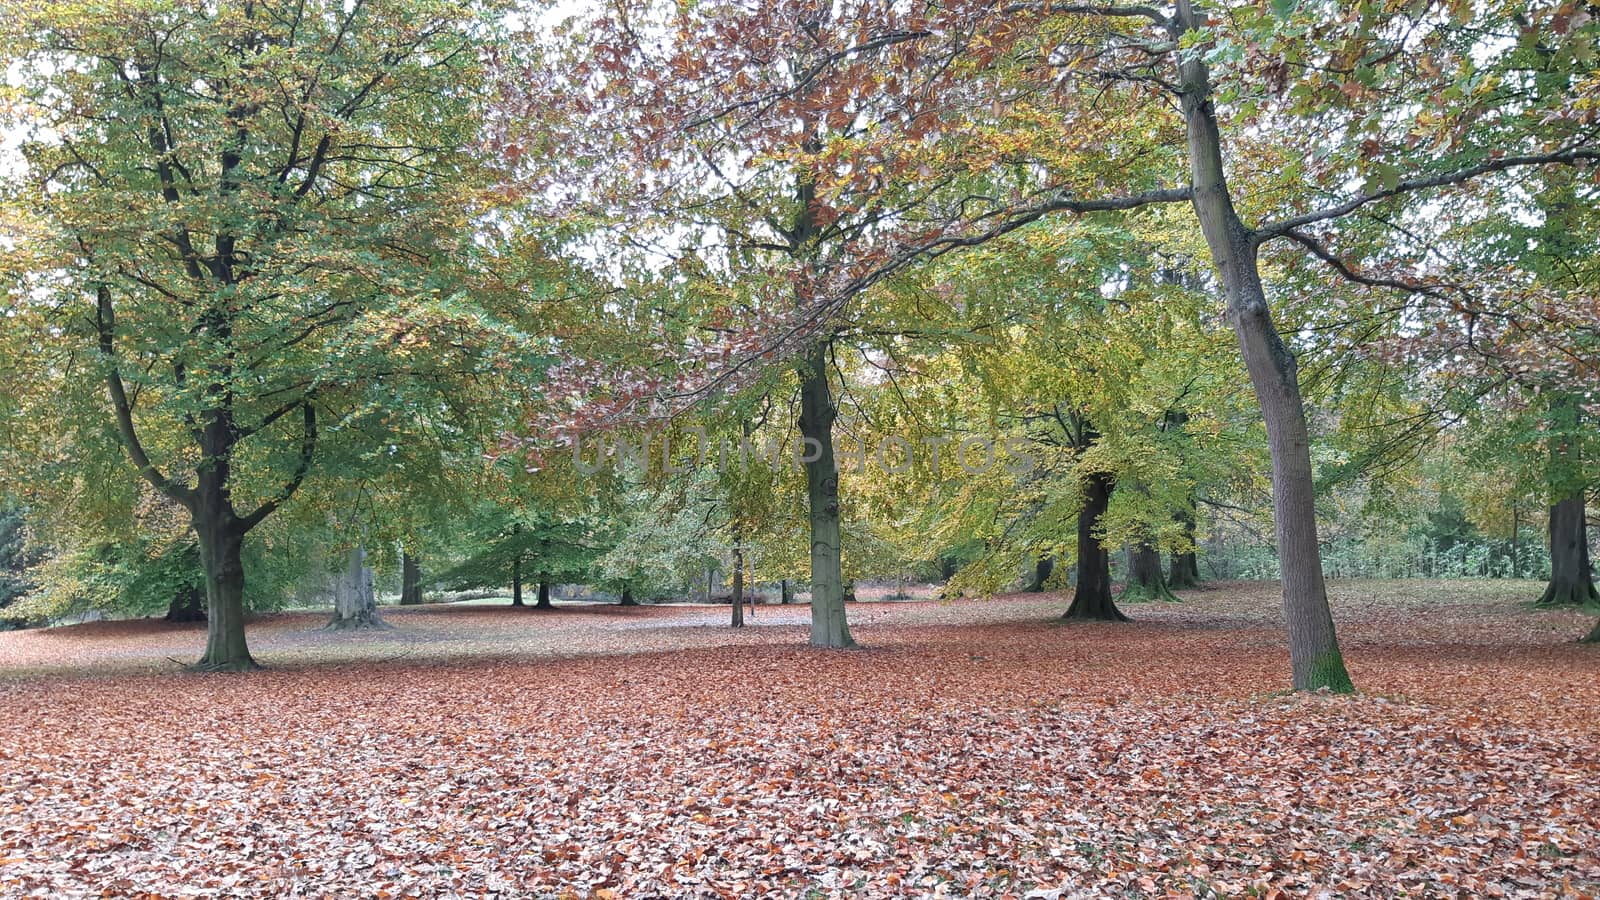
(972, 748)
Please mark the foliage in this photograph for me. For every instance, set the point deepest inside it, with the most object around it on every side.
(16, 555)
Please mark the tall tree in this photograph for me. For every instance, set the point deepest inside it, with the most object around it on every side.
(248, 207)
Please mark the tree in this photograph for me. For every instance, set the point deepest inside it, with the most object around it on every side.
(1069, 336)
(1091, 599)
(504, 545)
(1145, 579)
(1571, 572)
(664, 536)
(251, 214)
(15, 555)
(410, 580)
(780, 188)
(738, 588)
(355, 604)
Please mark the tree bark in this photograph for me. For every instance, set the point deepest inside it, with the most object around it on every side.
(1571, 573)
(516, 581)
(738, 588)
(188, 605)
(221, 554)
(1185, 569)
(1313, 646)
(828, 625)
(544, 592)
(1145, 581)
(785, 592)
(1091, 599)
(355, 605)
(627, 597)
(410, 580)
(1041, 574)
(1184, 572)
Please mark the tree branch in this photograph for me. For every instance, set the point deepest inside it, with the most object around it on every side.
(1339, 265)
(105, 324)
(308, 449)
(1570, 156)
(1092, 9)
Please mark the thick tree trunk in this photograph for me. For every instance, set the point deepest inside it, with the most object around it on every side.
(1185, 570)
(785, 592)
(221, 554)
(1041, 574)
(516, 582)
(1091, 600)
(188, 605)
(410, 580)
(1145, 581)
(627, 597)
(738, 588)
(1571, 574)
(355, 605)
(828, 625)
(1313, 646)
(544, 592)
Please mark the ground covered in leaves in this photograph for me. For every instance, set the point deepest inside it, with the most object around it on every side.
(974, 748)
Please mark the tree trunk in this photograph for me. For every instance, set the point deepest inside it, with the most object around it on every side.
(221, 554)
(1145, 581)
(738, 588)
(188, 605)
(544, 592)
(410, 580)
(627, 597)
(1313, 646)
(828, 625)
(516, 581)
(354, 603)
(1185, 570)
(1516, 556)
(1041, 574)
(1571, 576)
(1091, 600)
(1594, 636)
(785, 592)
